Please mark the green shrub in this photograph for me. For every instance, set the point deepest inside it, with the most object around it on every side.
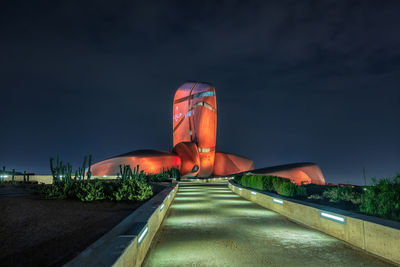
(315, 196)
(287, 189)
(315, 189)
(238, 179)
(132, 190)
(92, 190)
(276, 183)
(53, 191)
(261, 182)
(345, 194)
(383, 198)
(252, 181)
(301, 191)
(163, 176)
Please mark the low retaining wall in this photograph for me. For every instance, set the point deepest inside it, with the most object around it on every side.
(377, 236)
(46, 179)
(128, 242)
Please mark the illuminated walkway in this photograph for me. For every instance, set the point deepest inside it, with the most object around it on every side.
(210, 226)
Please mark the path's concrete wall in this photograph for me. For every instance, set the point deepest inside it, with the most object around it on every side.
(377, 236)
(125, 244)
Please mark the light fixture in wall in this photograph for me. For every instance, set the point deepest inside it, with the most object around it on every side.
(333, 217)
(143, 234)
(278, 201)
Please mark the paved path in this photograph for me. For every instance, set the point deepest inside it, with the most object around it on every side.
(211, 226)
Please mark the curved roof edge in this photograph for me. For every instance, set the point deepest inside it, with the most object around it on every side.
(282, 167)
(144, 152)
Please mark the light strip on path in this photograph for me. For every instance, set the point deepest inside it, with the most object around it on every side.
(240, 189)
(278, 201)
(253, 193)
(333, 217)
(162, 206)
(143, 234)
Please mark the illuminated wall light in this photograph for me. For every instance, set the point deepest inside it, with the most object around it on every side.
(278, 201)
(162, 207)
(169, 196)
(143, 234)
(240, 189)
(333, 217)
(104, 176)
(253, 193)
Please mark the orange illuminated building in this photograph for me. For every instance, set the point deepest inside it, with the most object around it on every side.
(194, 124)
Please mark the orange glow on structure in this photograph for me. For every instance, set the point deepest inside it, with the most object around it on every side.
(189, 154)
(194, 124)
(150, 161)
(226, 164)
(195, 120)
(298, 173)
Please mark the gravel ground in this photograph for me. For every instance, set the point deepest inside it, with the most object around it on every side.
(40, 232)
(208, 225)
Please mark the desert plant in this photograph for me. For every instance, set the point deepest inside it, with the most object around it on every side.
(92, 190)
(61, 172)
(125, 172)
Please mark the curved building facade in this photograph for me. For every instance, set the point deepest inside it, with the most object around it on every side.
(194, 127)
(195, 120)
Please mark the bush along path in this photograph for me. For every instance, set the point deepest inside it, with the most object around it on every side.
(381, 199)
(131, 185)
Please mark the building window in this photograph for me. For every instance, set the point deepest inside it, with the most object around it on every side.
(204, 94)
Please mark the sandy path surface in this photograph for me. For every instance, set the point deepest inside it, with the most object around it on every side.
(208, 225)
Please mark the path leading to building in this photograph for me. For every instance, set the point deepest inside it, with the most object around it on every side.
(208, 225)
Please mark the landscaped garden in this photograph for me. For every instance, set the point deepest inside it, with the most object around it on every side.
(381, 199)
(49, 224)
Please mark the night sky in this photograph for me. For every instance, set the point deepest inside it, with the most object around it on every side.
(295, 80)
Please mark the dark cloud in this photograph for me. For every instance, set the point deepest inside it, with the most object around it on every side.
(295, 80)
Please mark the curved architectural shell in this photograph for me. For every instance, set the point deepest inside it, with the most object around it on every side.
(190, 158)
(306, 173)
(226, 164)
(195, 120)
(150, 161)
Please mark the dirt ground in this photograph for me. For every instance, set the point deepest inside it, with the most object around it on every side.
(39, 232)
(208, 225)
